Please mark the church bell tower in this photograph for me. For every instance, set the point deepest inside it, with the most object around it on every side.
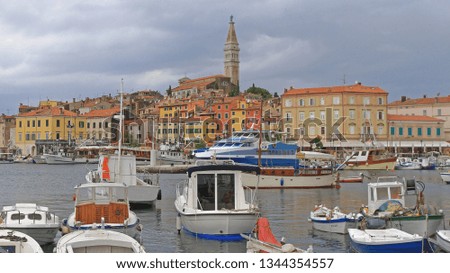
(231, 50)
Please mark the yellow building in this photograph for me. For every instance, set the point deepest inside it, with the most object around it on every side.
(345, 116)
(46, 127)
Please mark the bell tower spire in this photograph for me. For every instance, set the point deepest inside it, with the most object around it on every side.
(231, 50)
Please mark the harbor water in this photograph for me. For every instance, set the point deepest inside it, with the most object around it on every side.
(286, 209)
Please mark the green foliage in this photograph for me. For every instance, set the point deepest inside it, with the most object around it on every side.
(264, 93)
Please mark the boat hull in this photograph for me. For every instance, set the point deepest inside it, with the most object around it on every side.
(98, 241)
(131, 228)
(385, 241)
(382, 165)
(42, 235)
(219, 225)
(340, 226)
(443, 239)
(280, 182)
(425, 225)
(446, 177)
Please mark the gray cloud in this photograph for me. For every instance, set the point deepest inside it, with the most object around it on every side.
(75, 49)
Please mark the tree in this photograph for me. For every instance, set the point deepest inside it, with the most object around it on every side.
(264, 93)
(169, 91)
(275, 95)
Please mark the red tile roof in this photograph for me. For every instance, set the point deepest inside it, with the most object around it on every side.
(412, 118)
(425, 101)
(47, 111)
(102, 112)
(357, 88)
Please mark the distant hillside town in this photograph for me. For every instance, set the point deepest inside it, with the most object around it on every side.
(199, 111)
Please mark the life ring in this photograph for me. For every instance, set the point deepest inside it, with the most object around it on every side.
(118, 212)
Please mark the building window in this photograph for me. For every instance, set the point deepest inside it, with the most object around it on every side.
(322, 101)
(380, 129)
(322, 130)
(288, 103)
(439, 112)
(39, 123)
(288, 116)
(428, 131)
(352, 129)
(20, 124)
(419, 131)
(400, 131)
(351, 100)
(336, 100)
(393, 130)
(438, 131)
(312, 101)
(301, 115)
(380, 115)
(46, 123)
(366, 100)
(380, 101)
(424, 112)
(351, 114)
(409, 131)
(301, 102)
(311, 115)
(336, 114)
(322, 115)
(81, 124)
(58, 123)
(28, 123)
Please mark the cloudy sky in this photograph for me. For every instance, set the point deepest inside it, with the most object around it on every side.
(60, 50)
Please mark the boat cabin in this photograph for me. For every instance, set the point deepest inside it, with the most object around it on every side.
(386, 189)
(25, 214)
(217, 187)
(101, 202)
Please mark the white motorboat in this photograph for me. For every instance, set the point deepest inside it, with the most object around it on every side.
(333, 220)
(13, 241)
(31, 219)
(6, 158)
(443, 239)
(445, 177)
(262, 240)
(104, 205)
(122, 169)
(97, 241)
(212, 204)
(59, 159)
(390, 240)
(387, 207)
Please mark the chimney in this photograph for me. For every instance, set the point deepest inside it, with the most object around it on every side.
(424, 96)
(403, 99)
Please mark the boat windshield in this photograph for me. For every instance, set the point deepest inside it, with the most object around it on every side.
(101, 195)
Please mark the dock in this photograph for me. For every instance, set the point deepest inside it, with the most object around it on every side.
(163, 168)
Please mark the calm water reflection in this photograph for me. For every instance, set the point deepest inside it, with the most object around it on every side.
(287, 210)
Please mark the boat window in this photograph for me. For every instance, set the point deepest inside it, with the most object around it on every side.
(363, 153)
(382, 194)
(225, 191)
(17, 216)
(34, 216)
(205, 191)
(8, 249)
(396, 192)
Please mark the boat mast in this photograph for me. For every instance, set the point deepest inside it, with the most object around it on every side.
(120, 124)
(260, 133)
